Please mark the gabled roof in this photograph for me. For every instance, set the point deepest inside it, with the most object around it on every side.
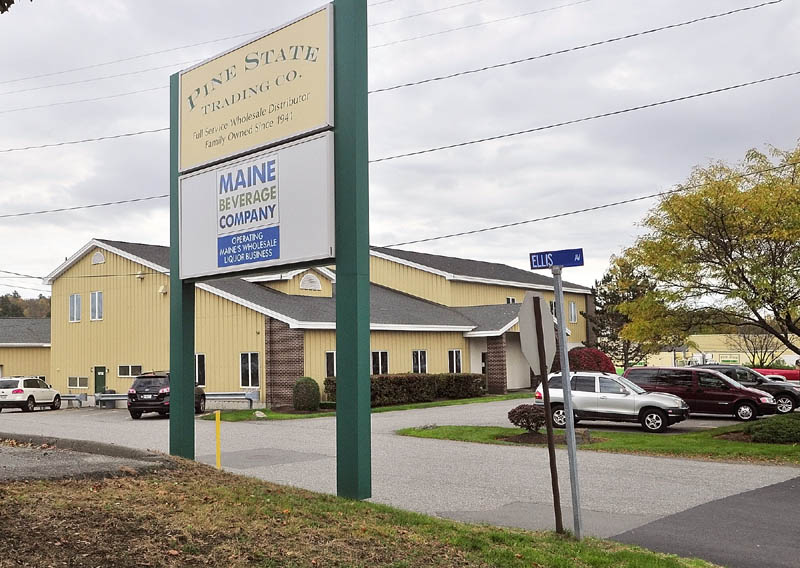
(155, 257)
(24, 332)
(468, 270)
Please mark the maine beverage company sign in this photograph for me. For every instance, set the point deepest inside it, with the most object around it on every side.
(243, 207)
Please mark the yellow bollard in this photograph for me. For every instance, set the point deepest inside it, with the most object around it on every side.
(219, 454)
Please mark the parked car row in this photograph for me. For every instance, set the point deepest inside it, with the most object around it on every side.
(658, 397)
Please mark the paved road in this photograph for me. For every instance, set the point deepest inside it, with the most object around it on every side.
(502, 485)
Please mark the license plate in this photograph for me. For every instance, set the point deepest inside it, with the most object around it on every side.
(147, 396)
(3, 395)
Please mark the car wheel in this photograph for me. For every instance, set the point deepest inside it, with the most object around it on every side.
(30, 405)
(135, 414)
(785, 404)
(56, 403)
(745, 412)
(200, 407)
(654, 420)
(558, 416)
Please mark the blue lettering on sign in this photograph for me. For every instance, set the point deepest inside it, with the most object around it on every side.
(245, 248)
(548, 259)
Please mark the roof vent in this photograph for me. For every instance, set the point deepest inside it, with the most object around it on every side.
(310, 282)
(98, 258)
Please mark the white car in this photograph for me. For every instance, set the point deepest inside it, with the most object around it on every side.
(27, 393)
(603, 396)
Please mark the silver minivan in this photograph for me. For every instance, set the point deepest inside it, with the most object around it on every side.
(603, 396)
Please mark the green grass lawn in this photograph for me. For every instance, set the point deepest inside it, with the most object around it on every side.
(240, 415)
(193, 515)
(699, 445)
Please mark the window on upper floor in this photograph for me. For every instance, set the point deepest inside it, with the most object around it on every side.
(419, 361)
(573, 312)
(98, 258)
(75, 307)
(96, 306)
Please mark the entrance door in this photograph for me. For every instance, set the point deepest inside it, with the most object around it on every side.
(99, 379)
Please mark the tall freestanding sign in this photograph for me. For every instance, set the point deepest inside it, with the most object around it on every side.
(556, 261)
(260, 137)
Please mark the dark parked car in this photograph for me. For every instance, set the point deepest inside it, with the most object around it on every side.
(704, 390)
(786, 394)
(150, 393)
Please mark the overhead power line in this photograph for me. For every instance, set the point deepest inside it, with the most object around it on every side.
(19, 274)
(425, 13)
(77, 207)
(583, 119)
(479, 24)
(575, 48)
(14, 286)
(586, 209)
(85, 100)
(467, 142)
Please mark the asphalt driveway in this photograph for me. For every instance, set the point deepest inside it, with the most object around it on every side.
(502, 485)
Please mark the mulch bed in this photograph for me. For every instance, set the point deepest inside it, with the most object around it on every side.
(736, 437)
(582, 436)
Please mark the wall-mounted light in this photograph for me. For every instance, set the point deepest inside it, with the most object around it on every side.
(140, 275)
(162, 289)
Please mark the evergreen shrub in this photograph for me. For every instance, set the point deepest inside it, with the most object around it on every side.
(305, 394)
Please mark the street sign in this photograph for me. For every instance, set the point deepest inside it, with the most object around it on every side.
(528, 336)
(548, 259)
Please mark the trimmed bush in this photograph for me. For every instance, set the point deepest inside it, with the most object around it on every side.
(776, 430)
(305, 394)
(407, 388)
(586, 359)
(527, 416)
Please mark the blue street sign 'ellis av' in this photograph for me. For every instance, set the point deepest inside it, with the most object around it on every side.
(548, 259)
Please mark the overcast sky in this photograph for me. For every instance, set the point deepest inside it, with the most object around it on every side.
(504, 181)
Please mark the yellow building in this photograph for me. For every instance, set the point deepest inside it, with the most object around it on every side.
(711, 348)
(25, 347)
(429, 313)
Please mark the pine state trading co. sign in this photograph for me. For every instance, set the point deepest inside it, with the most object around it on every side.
(270, 207)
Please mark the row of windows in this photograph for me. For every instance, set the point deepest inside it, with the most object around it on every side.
(573, 308)
(95, 310)
(380, 362)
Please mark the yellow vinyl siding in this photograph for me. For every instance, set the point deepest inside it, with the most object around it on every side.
(399, 345)
(224, 330)
(134, 329)
(410, 280)
(28, 361)
(292, 286)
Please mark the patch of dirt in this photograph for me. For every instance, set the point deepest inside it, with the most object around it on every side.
(582, 436)
(290, 410)
(736, 437)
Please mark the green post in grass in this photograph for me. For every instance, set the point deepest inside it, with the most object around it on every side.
(353, 452)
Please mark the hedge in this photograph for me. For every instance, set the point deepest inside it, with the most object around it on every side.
(406, 388)
(784, 429)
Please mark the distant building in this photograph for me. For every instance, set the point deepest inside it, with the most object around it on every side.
(25, 347)
(430, 314)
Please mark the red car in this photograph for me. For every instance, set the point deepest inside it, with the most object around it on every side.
(704, 390)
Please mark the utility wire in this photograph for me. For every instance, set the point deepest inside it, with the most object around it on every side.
(588, 209)
(460, 73)
(425, 13)
(77, 207)
(19, 274)
(23, 288)
(575, 48)
(479, 24)
(467, 142)
(583, 119)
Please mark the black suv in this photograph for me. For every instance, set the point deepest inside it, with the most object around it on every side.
(150, 393)
(787, 395)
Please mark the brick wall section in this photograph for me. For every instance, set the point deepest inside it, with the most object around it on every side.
(285, 361)
(496, 373)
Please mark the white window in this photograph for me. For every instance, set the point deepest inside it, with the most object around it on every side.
(74, 307)
(511, 300)
(96, 301)
(419, 361)
(573, 312)
(98, 258)
(380, 362)
(454, 360)
(248, 370)
(129, 370)
(78, 382)
(200, 369)
(330, 364)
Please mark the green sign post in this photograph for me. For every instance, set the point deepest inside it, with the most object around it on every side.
(353, 453)
(351, 206)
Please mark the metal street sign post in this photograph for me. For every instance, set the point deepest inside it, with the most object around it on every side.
(538, 340)
(269, 171)
(556, 260)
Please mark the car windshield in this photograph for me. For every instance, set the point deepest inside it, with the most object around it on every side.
(9, 384)
(146, 382)
(633, 386)
(733, 382)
